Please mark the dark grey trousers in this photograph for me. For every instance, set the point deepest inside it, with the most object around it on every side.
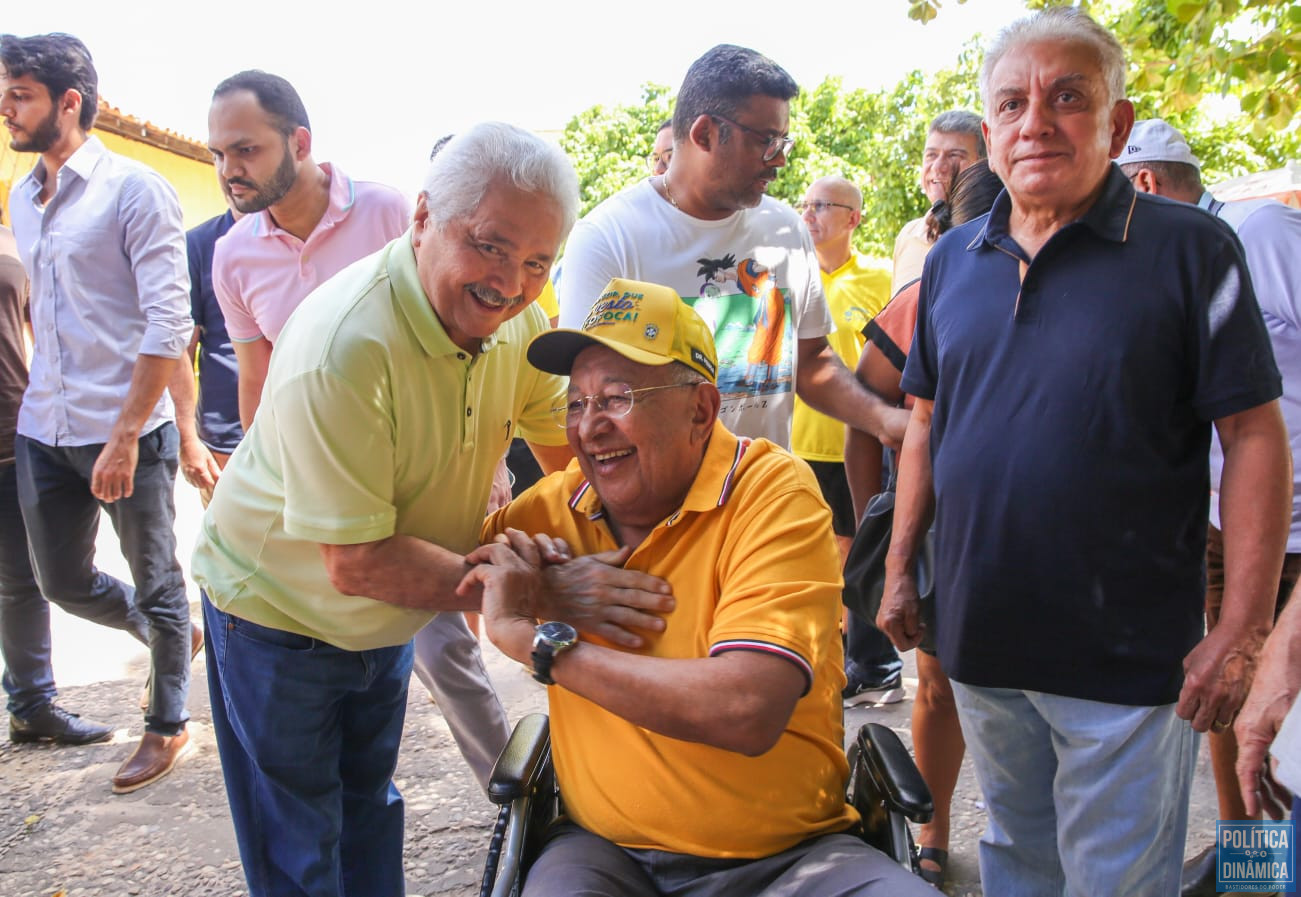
(62, 518)
(576, 863)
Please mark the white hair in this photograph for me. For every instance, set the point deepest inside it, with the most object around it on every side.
(1059, 23)
(461, 171)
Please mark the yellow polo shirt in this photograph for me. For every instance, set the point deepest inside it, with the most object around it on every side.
(372, 423)
(754, 567)
(856, 291)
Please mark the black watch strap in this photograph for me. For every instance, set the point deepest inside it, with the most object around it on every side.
(544, 655)
(550, 639)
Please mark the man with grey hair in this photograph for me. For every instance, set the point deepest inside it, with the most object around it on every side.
(1073, 350)
(953, 141)
(340, 526)
(1158, 160)
(306, 222)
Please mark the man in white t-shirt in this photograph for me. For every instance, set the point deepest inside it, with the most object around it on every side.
(743, 260)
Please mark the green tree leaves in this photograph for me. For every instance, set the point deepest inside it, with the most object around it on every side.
(609, 146)
(1190, 49)
(1181, 52)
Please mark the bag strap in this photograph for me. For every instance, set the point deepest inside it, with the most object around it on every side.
(891, 458)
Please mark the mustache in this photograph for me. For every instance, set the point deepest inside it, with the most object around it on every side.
(241, 182)
(494, 298)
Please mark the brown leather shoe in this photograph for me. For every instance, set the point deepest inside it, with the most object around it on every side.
(196, 645)
(196, 641)
(152, 760)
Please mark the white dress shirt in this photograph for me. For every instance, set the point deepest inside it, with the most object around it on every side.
(109, 282)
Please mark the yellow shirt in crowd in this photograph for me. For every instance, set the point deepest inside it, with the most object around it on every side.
(754, 566)
(856, 291)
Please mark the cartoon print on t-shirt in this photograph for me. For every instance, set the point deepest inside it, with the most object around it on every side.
(753, 327)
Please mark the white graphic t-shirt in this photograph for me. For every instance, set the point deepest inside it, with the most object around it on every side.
(753, 277)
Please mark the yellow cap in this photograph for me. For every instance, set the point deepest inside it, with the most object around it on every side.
(644, 322)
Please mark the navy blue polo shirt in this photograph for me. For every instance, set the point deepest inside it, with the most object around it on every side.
(217, 413)
(1074, 396)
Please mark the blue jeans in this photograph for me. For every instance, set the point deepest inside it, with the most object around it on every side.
(62, 518)
(24, 612)
(308, 735)
(1083, 798)
(870, 656)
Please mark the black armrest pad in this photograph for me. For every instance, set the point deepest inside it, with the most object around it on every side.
(521, 760)
(893, 767)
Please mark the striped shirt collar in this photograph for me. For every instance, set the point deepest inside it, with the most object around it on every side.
(713, 486)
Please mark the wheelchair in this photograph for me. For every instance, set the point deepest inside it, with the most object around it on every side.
(884, 786)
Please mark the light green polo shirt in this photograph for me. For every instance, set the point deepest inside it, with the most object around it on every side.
(372, 423)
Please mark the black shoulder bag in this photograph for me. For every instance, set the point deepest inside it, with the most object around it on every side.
(865, 566)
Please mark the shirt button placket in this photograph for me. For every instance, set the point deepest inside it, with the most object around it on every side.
(467, 427)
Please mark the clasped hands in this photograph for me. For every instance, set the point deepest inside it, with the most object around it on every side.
(525, 579)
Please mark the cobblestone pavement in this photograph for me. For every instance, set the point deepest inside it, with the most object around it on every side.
(63, 833)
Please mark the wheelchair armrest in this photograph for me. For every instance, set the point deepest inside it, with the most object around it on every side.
(893, 769)
(522, 760)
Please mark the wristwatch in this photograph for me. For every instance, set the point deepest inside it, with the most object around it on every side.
(550, 639)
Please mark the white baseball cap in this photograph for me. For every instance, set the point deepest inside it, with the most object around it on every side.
(1152, 140)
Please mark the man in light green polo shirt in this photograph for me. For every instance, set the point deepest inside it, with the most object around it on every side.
(340, 524)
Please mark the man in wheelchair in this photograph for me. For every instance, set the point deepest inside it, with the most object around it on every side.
(707, 760)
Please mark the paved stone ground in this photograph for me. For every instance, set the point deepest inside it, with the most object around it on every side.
(63, 833)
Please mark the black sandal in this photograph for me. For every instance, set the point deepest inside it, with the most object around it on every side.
(939, 857)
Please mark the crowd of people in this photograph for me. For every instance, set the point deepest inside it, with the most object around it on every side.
(1082, 387)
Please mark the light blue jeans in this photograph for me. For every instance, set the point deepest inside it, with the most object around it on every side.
(1084, 798)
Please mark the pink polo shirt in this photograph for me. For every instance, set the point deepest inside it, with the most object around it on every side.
(261, 273)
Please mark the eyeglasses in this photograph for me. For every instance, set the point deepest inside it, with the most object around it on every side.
(774, 146)
(655, 160)
(819, 206)
(615, 401)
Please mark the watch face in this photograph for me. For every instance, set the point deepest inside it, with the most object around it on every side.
(557, 633)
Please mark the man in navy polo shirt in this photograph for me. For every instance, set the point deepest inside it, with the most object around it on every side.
(1073, 349)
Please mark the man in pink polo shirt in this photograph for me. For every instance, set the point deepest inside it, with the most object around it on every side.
(303, 224)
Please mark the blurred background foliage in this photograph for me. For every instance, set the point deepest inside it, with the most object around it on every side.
(1224, 71)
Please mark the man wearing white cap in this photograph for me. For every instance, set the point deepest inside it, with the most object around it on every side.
(711, 758)
(1157, 159)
